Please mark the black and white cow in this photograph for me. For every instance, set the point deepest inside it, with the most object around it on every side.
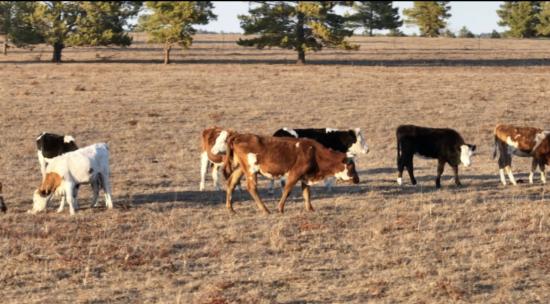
(445, 145)
(351, 142)
(50, 145)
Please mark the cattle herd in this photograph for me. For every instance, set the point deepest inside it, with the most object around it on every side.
(307, 156)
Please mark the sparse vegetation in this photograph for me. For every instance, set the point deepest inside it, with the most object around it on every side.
(165, 242)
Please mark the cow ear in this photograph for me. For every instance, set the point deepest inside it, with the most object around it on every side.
(473, 147)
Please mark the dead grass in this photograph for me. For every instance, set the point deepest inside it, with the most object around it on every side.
(374, 242)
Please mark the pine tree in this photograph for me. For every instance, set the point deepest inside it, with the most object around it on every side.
(172, 23)
(71, 23)
(543, 27)
(15, 23)
(464, 32)
(297, 25)
(375, 15)
(429, 16)
(103, 23)
(520, 17)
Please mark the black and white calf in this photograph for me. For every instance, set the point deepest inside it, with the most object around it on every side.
(445, 145)
(50, 145)
(351, 142)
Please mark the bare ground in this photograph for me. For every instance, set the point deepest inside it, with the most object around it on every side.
(374, 242)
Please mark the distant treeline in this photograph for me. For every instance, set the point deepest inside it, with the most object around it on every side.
(303, 26)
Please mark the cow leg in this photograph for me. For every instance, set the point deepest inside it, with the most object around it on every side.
(534, 165)
(290, 183)
(70, 191)
(457, 180)
(510, 175)
(95, 190)
(106, 185)
(328, 183)
(42, 163)
(204, 168)
(61, 204)
(233, 179)
(410, 169)
(400, 168)
(216, 175)
(271, 188)
(542, 168)
(307, 196)
(502, 161)
(440, 168)
(251, 184)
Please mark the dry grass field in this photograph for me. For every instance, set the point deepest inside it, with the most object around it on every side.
(165, 242)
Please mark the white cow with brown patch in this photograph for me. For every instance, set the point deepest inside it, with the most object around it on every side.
(524, 142)
(65, 173)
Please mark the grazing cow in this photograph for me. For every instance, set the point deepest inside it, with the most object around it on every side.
(209, 138)
(65, 173)
(523, 142)
(50, 145)
(2, 204)
(302, 160)
(351, 142)
(445, 145)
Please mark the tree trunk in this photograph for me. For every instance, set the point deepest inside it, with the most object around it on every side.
(300, 39)
(57, 48)
(5, 47)
(167, 49)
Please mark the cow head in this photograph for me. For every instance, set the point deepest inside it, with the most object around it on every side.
(220, 145)
(44, 193)
(466, 152)
(359, 146)
(70, 144)
(2, 204)
(349, 172)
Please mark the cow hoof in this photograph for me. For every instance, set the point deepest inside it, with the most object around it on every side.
(400, 181)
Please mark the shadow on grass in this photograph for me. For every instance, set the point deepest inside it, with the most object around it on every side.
(376, 62)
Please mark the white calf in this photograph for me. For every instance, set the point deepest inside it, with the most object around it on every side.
(88, 165)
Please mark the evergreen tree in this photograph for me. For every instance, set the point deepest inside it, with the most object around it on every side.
(543, 27)
(172, 22)
(520, 17)
(464, 32)
(495, 34)
(429, 16)
(71, 23)
(15, 23)
(297, 25)
(375, 15)
(103, 23)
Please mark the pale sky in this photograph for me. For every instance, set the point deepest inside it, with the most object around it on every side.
(478, 17)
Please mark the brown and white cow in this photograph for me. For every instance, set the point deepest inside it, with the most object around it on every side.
(209, 137)
(2, 204)
(302, 160)
(524, 142)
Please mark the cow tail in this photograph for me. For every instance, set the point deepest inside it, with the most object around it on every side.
(227, 162)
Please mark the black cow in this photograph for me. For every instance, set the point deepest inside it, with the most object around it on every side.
(351, 142)
(50, 145)
(445, 145)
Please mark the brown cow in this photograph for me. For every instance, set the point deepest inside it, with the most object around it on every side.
(209, 138)
(2, 204)
(523, 142)
(273, 157)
